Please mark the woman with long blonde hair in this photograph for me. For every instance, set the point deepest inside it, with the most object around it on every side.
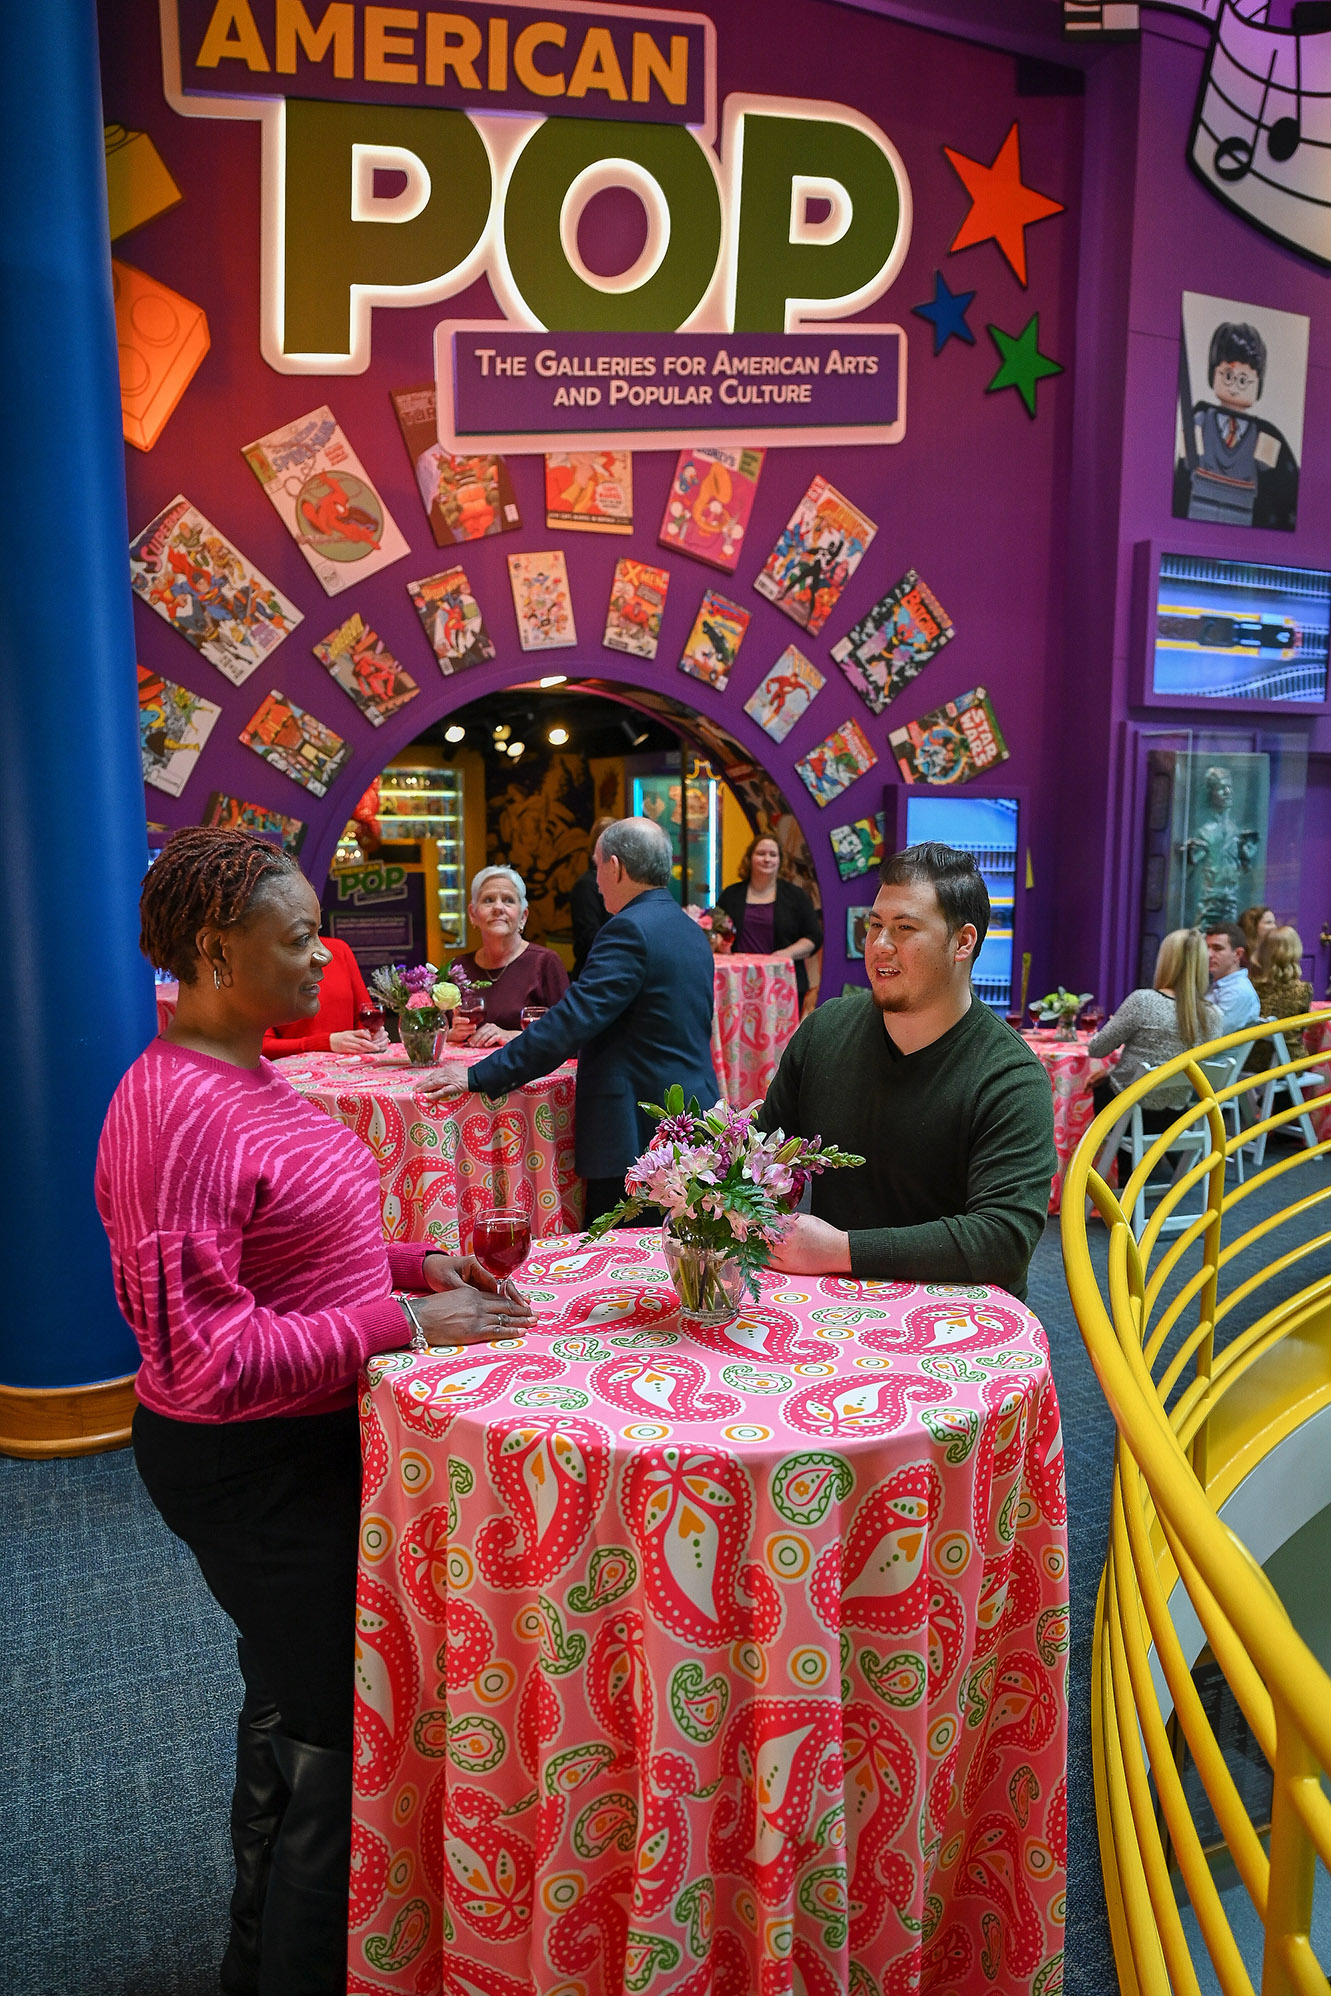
(1155, 1025)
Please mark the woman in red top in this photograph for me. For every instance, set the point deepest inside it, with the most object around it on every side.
(333, 1028)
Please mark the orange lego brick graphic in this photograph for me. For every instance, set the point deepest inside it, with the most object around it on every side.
(162, 338)
(138, 185)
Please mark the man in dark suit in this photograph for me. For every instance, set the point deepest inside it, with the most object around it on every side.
(639, 1017)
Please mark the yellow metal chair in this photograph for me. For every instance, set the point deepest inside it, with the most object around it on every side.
(1195, 1419)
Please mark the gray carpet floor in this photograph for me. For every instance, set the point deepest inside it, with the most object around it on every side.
(120, 1688)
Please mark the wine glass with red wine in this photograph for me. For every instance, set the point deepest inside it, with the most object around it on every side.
(501, 1240)
(530, 1014)
(370, 1018)
(471, 1006)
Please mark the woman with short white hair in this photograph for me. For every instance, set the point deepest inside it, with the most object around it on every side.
(507, 971)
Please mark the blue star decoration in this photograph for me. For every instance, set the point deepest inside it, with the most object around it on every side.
(946, 313)
(1022, 362)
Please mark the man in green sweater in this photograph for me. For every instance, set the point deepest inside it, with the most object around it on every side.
(950, 1110)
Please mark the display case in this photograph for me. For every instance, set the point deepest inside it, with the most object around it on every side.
(988, 829)
(423, 806)
(658, 786)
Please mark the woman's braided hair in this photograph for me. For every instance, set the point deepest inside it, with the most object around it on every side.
(205, 877)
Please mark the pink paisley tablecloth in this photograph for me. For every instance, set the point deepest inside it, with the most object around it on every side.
(1317, 1039)
(757, 1010)
(1072, 1073)
(714, 1662)
(437, 1160)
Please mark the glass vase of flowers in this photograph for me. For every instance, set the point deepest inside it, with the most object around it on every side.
(719, 928)
(423, 1003)
(726, 1190)
(1060, 1008)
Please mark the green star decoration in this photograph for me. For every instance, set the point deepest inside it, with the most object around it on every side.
(1023, 363)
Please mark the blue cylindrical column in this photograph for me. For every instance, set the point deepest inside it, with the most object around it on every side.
(77, 1002)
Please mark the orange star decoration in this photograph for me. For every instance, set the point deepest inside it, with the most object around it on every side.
(1001, 207)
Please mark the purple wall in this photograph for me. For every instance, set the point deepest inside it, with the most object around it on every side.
(972, 498)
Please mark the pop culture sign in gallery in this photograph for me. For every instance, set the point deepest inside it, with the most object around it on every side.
(498, 124)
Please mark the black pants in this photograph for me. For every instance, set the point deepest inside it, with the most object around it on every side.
(271, 1511)
(1153, 1120)
(603, 1193)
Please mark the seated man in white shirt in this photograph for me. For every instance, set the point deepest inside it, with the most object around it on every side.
(1232, 990)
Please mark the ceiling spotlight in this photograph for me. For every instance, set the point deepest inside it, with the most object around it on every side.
(556, 679)
(502, 733)
(455, 733)
(634, 735)
(556, 736)
(515, 748)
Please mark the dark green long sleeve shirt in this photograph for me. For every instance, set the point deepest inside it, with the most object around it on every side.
(958, 1142)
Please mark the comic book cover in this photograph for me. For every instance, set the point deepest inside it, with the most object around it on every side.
(637, 600)
(205, 588)
(364, 667)
(859, 847)
(452, 619)
(952, 743)
(710, 500)
(542, 601)
(893, 642)
(294, 742)
(714, 642)
(327, 503)
(233, 814)
(589, 490)
(815, 556)
(780, 700)
(465, 497)
(857, 928)
(836, 763)
(174, 724)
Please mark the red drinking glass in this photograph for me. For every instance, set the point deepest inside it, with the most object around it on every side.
(369, 1017)
(501, 1240)
(530, 1014)
(470, 1007)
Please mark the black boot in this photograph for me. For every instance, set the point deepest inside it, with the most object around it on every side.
(304, 1951)
(257, 1806)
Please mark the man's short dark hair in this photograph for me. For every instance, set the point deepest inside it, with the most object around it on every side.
(1237, 939)
(954, 877)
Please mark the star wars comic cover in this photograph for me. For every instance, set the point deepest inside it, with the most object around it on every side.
(893, 642)
(778, 701)
(326, 500)
(714, 642)
(466, 498)
(952, 743)
(859, 847)
(233, 814)
(294, 742)
(364, 667)
(637, 601)
(541, 600)
(711, 498)
(452, 620)
(174, 724)
(590, 491)
(815, 556)
(220, 603)
(836, 763)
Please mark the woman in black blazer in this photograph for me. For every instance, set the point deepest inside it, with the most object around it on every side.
(772, 916)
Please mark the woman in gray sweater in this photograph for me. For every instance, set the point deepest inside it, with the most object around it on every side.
(1156, 1025)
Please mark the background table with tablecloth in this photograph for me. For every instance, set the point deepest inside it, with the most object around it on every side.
(437, 1160)
(757, 1011)
(714, 1662)
(1073, 1073)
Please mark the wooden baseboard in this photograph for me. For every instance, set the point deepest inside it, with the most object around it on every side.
(39, 1422)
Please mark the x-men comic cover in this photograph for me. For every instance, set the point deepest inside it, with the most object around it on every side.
(296, 743)
(778, 701)
(591, 491)
(815, 556)
(542, 601)
(836, 763)
(709, 504)
(952, 743)
(859, 847)
(892, 643)
(364, 667)
(857, 930)
(637, 601)
(326, 500)
(174, 724)
(452, 620)
(233, 814)
(220, 603)
(713, 643)
(466, 498)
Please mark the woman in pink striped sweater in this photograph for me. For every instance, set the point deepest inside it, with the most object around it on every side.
(250, 1265)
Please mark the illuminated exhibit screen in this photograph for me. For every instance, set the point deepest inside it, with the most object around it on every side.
(1236, 630)
(985, 827)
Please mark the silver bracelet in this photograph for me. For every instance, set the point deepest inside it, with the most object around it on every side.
(419, 1342)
